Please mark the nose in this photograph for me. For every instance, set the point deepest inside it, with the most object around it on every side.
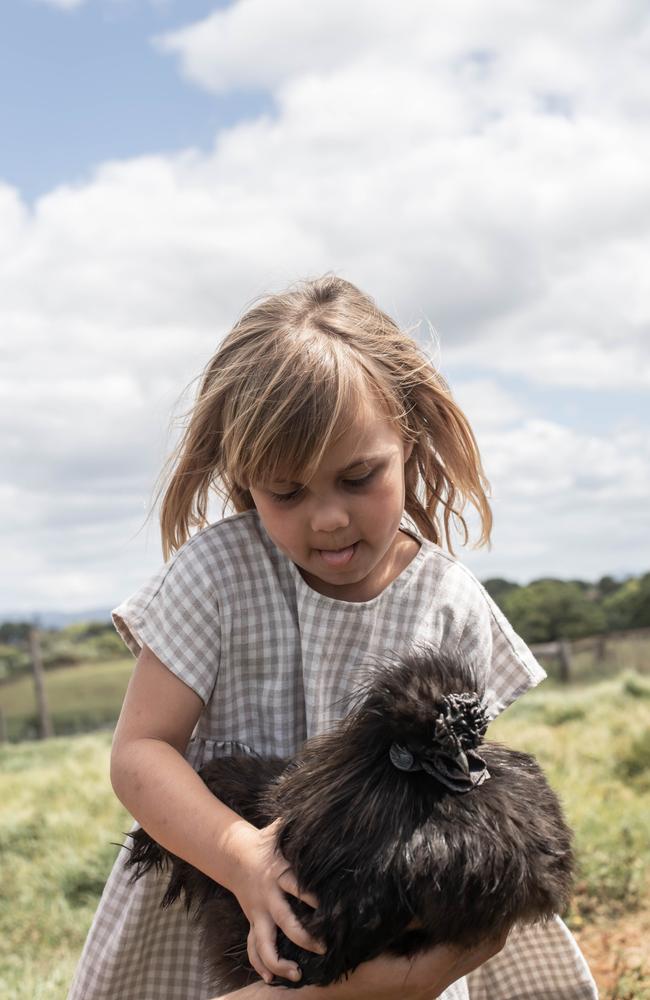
(329, 515)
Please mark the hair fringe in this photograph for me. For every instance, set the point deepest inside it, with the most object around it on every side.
(274, 395)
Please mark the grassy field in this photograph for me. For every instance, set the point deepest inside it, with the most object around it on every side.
(80, 698)
(618, 653)
(60, 819)
(594, 744)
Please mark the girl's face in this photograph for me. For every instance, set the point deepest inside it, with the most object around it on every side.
(342, 527)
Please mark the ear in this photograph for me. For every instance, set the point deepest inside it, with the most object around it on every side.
(408, 451)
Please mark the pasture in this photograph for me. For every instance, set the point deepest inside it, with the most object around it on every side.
(80, 698)
(60, 821)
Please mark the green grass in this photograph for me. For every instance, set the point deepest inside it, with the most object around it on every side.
(80, 698)
(619, 653)
(60, 818)
(594, 745)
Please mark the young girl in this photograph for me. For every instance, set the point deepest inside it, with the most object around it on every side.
(347, 462)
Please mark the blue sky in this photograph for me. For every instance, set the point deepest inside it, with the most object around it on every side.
(480, 170)
(87, 85)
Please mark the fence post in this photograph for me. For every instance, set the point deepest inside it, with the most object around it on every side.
(44, 722)
(564, 657)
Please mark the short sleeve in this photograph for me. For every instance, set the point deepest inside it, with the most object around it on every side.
(176, 614)
(489, 642)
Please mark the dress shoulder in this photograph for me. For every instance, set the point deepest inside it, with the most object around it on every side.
(481, 633)
(178, 612)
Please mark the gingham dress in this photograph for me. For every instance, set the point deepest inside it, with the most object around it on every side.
(274, 662)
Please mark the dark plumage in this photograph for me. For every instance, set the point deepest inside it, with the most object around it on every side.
(398, 861)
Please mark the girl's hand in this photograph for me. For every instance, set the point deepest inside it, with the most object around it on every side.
(424, 977)
(262, 878)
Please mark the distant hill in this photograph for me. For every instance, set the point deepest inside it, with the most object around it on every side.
(56, 619)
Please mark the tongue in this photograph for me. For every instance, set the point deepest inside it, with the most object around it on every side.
(339, 557)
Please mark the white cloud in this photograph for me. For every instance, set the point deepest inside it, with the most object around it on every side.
(542, 47)
(488, 405)
(63, 4)
(547, 462)
(481, 166)
(486, 162)
(566, 503)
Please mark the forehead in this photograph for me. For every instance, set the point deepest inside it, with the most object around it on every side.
(364, 434)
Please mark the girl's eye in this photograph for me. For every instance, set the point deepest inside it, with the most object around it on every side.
(353, 484)
(285, 497)
(356, 483)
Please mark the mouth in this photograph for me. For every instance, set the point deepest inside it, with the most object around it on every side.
(338, 557)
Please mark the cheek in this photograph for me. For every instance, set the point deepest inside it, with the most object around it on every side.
(266, 512)
(391, 490)
(385, 507)
(278, 523)
(270, 518)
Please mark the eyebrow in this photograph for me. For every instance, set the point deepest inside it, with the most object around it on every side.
(366, 460)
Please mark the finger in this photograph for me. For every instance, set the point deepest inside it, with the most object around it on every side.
(289, 883)
(255, 960)
(265, 935)
(289, 923)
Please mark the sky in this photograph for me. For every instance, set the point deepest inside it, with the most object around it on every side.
(480, 169)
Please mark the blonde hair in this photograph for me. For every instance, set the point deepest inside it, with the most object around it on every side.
(281, 386)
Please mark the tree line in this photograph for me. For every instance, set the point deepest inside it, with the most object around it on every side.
(80, 643)
(548, 609)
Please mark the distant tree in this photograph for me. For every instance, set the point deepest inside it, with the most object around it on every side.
(608, 585)
(80, 631)
(547, 610)
(629, 605)
(14, 659)
(498, 588)
(14, 632)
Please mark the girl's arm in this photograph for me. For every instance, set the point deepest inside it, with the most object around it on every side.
(388, 978)
(168, 798)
